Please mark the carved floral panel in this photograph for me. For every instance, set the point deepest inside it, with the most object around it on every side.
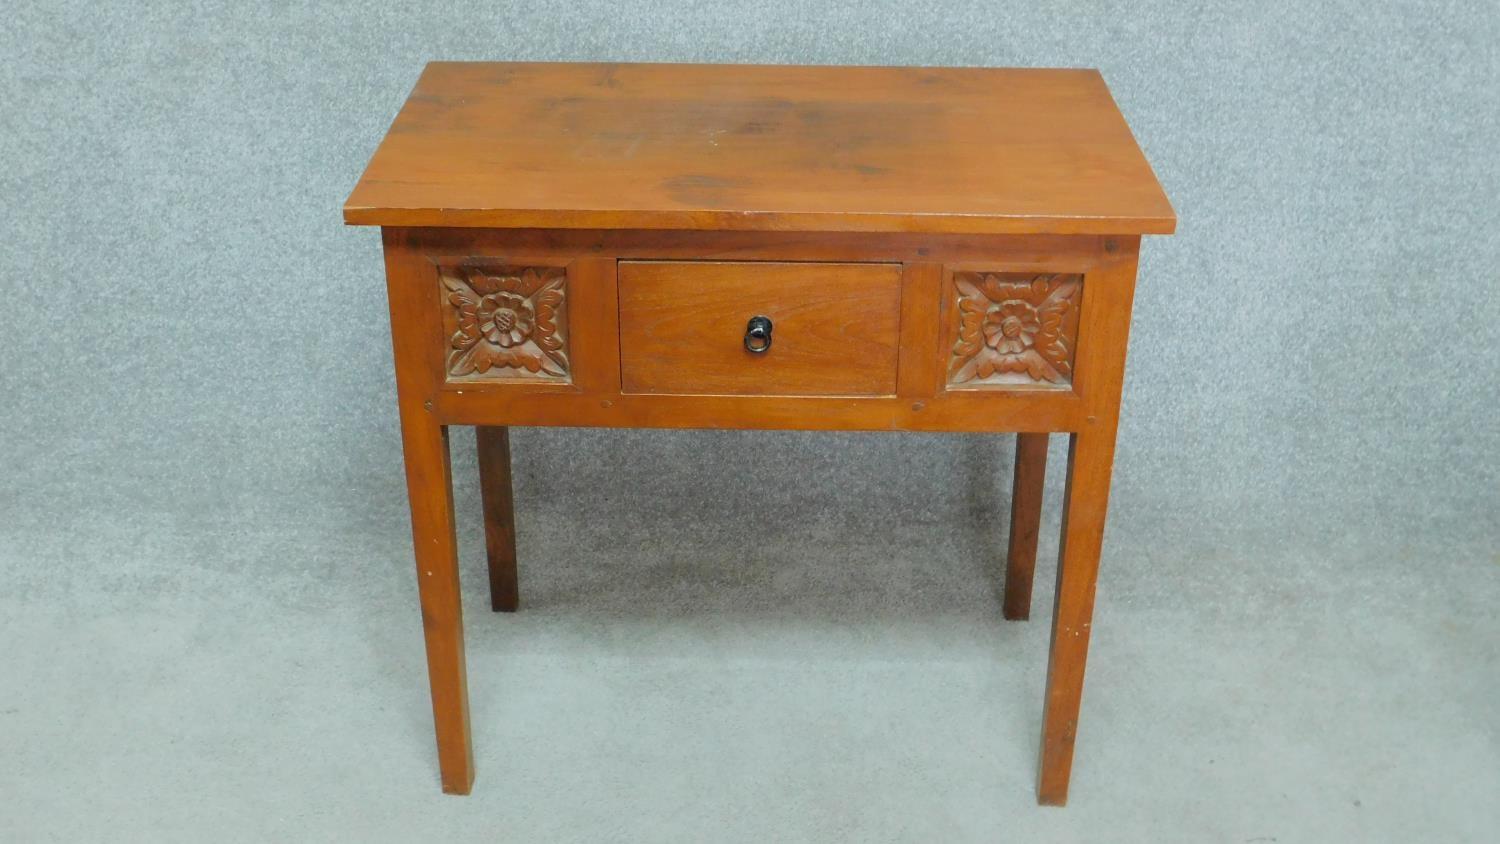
(506, 322)
(1014, 329)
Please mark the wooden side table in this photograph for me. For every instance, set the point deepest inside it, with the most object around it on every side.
(691, 246)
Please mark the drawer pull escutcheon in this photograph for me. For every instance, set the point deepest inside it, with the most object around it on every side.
(758, 335)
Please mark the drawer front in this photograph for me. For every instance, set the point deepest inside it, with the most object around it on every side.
(833, 328)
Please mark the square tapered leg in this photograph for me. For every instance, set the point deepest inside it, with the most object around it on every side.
(1090, 458)
(499, 515)
(430, 490)
(1025, 521)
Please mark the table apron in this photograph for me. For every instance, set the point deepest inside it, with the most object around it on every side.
(974, 412)
(547, 275)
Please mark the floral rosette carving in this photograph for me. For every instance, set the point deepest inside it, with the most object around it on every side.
(506, 319)
(1015, 329)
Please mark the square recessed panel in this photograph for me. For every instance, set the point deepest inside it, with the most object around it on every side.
(1012, 330)
(505, 322)
(831, 329)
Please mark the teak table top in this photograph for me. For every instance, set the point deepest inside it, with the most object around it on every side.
(721, 147)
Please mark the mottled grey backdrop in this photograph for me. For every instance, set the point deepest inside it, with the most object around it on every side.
(196, 398)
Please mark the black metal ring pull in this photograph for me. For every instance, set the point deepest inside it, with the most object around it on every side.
(758, 335)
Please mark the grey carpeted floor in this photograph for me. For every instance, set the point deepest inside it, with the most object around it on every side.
(208, 620)
(685, 669)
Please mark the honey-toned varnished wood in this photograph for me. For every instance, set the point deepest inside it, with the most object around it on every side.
(424, 438)
(496, 494)
(1104, 333)
(1013, 329)
(832, 328)
(679, 246)
(505, 322)
(702, 147)
(1025, 522)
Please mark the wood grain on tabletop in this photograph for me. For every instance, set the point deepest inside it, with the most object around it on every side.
(712, 147)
